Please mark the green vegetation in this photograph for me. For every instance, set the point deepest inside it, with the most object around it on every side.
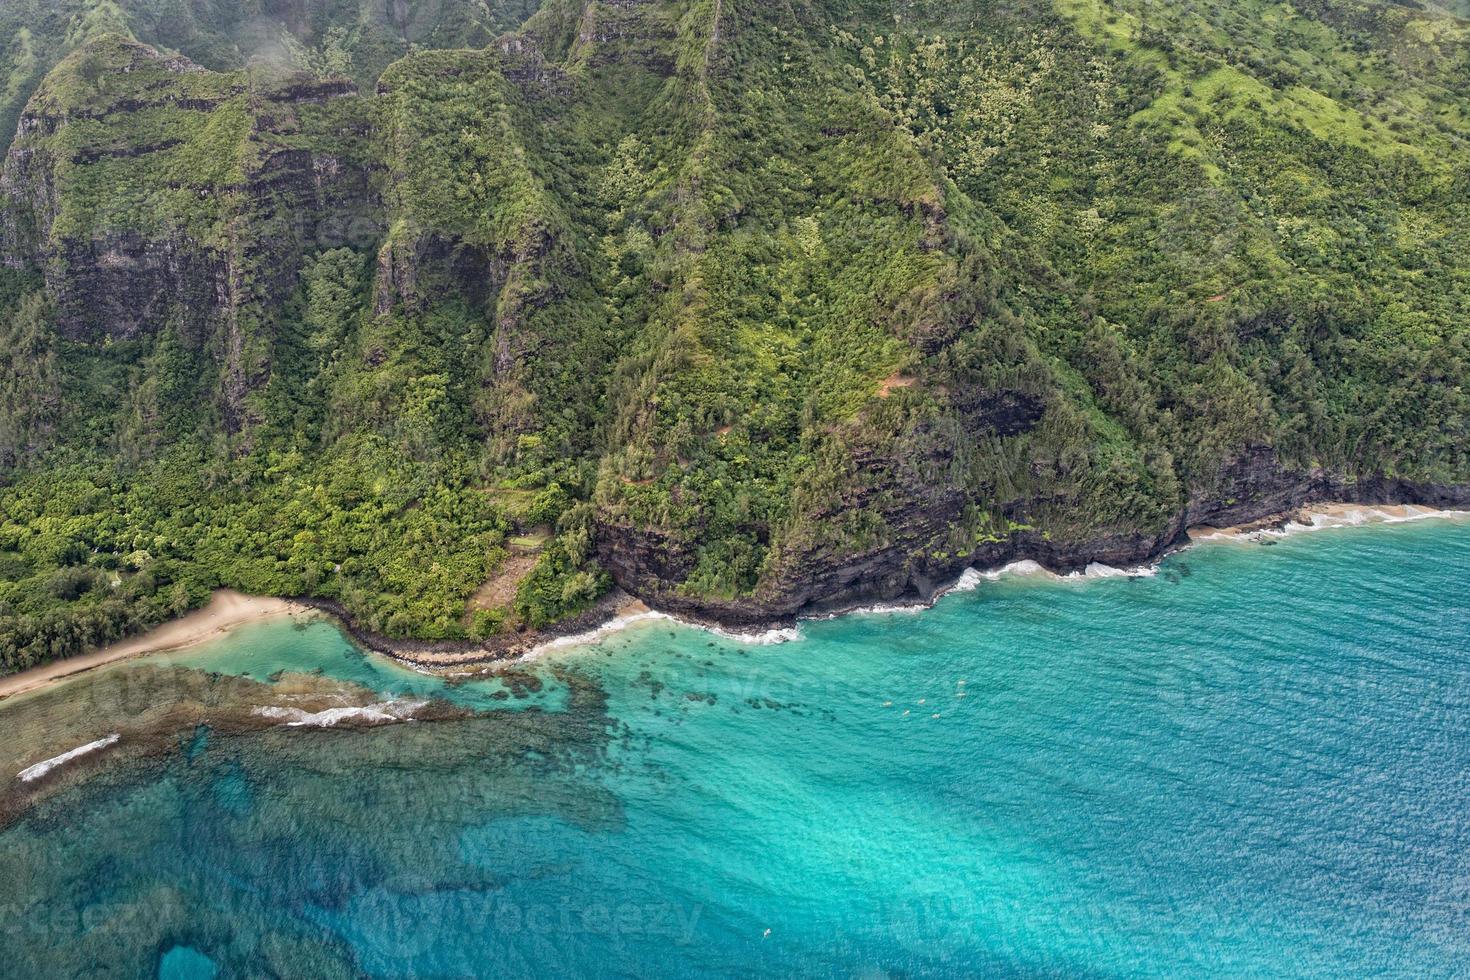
(355, 38)
(727, 290)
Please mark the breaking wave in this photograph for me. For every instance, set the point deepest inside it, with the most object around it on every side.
(614, 625)
(782, 634)
(32, 773)
(1098, 570)
(383, 713)
(778, 634)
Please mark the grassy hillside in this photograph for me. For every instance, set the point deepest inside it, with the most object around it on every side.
(744, 306)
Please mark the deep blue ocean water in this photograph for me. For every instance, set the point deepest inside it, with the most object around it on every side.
(1255, 762)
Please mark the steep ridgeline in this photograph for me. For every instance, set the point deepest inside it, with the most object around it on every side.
(749, 308)
(351, 38)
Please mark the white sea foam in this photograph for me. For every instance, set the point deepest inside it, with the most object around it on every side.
(968, 581)
(1355, 516)
(1025, 567)
(779, 634)
(887, 608)
(614, 625)
(1098, 570)
(973, 578)
(32, 773)
(384, 712)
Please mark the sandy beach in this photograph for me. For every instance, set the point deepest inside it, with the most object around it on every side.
(1323, 515)
(226, 610)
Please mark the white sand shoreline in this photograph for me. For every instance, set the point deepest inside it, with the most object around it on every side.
(225, 610)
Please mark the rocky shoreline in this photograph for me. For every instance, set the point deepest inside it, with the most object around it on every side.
(1268, 506)
(881, 578)
(441, 655)
(1254, 488)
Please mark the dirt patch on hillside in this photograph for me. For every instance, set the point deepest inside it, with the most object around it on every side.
(892, 382)
(498, 592)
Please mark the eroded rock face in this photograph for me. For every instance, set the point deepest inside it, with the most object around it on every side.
(202, 232)
(27, 193)
(415, 268)
(906, 566)
(119, 286)
(1004, 412)
(120, 283)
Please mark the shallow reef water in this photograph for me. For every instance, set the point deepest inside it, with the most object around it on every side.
(1254, 762)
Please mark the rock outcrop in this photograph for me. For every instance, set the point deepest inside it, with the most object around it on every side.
(649, 564)
(202, 232)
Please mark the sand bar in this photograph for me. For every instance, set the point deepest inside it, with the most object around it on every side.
(225, 610)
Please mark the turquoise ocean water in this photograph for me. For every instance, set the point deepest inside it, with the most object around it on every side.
(1255, 762)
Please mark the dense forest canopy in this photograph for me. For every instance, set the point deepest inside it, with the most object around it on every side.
(459, 311)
